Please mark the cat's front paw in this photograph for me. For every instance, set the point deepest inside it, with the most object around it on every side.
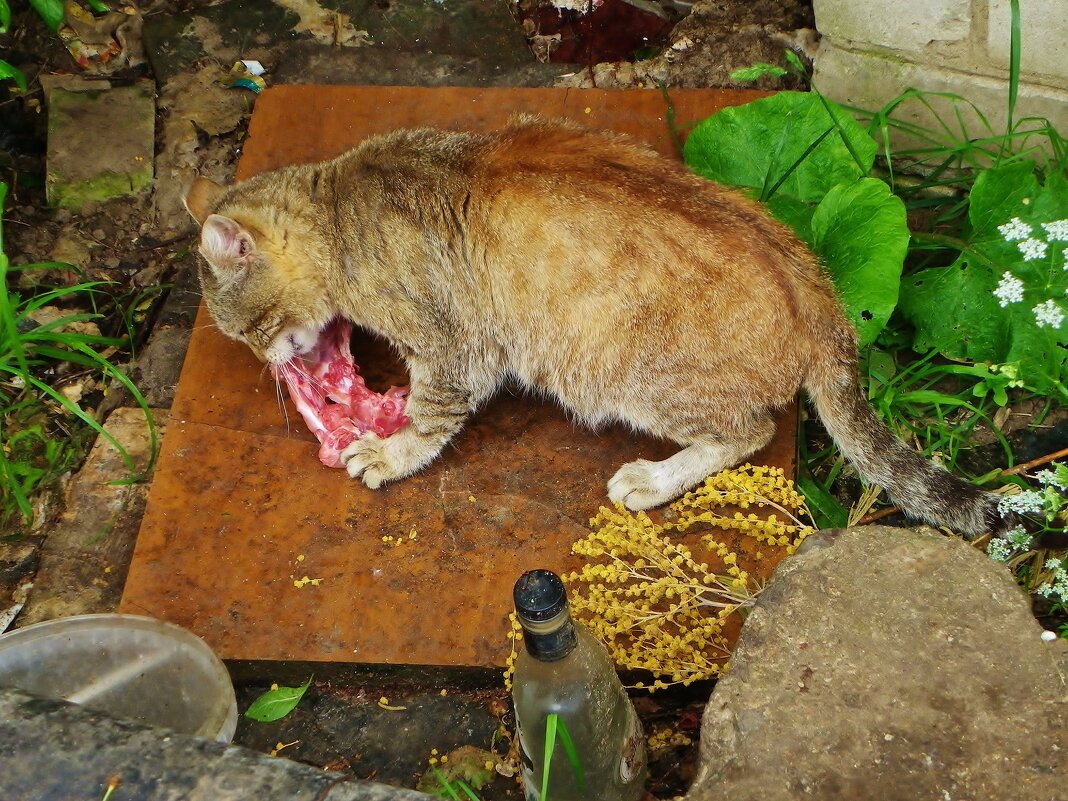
(377, 460)
(639, 485)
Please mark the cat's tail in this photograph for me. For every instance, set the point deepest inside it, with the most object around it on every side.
(921, 488)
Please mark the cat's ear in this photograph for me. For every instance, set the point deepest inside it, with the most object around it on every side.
(226, 244)
(200, 198)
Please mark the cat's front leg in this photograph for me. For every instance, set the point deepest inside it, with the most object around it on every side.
(436, 410)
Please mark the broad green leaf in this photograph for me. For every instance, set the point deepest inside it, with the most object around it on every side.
(955, 313)
(954, 310)
(860, 232)
(5, 16)
(763, 143)
(277, 703)
(9, 72)
(51, 11)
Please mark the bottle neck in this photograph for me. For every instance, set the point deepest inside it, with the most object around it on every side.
(550, 640)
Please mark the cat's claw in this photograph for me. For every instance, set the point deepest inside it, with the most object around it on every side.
(377, 460)
(638, 486)
(366, 459)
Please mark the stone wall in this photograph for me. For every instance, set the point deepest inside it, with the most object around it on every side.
(872, 50)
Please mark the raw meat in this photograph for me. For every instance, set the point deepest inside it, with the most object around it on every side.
(331, 396)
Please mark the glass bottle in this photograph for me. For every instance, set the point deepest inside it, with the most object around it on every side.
(565, 670)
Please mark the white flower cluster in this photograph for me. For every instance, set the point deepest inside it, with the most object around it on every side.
(1010, 289)
(1056, 589)
(1049, 478)
(1048, 313)
(1015, 540)
(1022, 503)
(1015, 230)
(1032, 249)
(1056, 231)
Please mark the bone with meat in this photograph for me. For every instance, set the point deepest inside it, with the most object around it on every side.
(332, 397)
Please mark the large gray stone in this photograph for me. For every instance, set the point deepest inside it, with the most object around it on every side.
(887, 663)
(54, 751)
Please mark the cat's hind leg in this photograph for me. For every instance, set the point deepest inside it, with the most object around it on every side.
(643, 484)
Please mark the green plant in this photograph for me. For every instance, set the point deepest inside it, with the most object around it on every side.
(37, 441)
(951, 247)
(556, 731)
(277, 702)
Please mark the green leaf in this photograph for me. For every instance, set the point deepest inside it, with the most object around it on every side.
(5, 16)
(953, 309)
(759, 144)
(572, 755)
(826, 511)
(860, 232)
(756, 72)
(277, 703)
(7, 72)
(51, 11)
(550, 745)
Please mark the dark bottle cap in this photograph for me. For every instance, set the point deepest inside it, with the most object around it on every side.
(539, 595)
(541, 605)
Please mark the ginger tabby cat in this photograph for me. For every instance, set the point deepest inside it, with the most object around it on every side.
(576, 262)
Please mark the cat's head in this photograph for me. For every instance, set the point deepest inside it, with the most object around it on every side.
(261, 276)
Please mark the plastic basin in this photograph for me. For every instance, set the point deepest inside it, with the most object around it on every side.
(127, 666)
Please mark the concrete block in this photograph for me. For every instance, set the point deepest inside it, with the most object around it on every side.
(869, 80)
(908, 25)
(100, 143)
(1043, 37)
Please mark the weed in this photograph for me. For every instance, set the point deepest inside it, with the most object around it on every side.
(43, 432)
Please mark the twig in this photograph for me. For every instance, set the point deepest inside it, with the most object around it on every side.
(1009, 471)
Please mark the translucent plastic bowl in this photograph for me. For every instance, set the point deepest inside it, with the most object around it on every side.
(127, 666)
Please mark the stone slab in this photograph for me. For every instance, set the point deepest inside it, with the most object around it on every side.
(100, 143)
(240, 506)
(86, 751)
(911, 25)
(887, 664)
(1043, 37)
(868, 80)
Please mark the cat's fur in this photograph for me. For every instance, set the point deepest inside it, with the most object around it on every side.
(580, 264)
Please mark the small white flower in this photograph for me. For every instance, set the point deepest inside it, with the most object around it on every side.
(1010, 289)
(1032, 249)
(1000, 550)
(1057, 231)
(1015, 229)
(1053, 564)
(1048, 313)
(1022, 502)
(1019, 537)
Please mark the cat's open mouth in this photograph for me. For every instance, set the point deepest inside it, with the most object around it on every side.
(328, 391)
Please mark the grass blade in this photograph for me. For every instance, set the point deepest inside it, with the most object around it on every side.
(572, 755)
(550, 744)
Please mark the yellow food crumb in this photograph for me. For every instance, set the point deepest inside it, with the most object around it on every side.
(443, 693)
(300, 557)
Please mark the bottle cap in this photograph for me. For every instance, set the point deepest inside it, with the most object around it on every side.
(539, 596)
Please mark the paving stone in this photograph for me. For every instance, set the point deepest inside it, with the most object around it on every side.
(100, 143)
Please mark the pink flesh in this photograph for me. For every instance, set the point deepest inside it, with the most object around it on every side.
(331, 396)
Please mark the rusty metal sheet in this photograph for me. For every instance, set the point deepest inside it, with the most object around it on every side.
(240, 509)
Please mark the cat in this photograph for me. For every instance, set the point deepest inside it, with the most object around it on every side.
(577, 262)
